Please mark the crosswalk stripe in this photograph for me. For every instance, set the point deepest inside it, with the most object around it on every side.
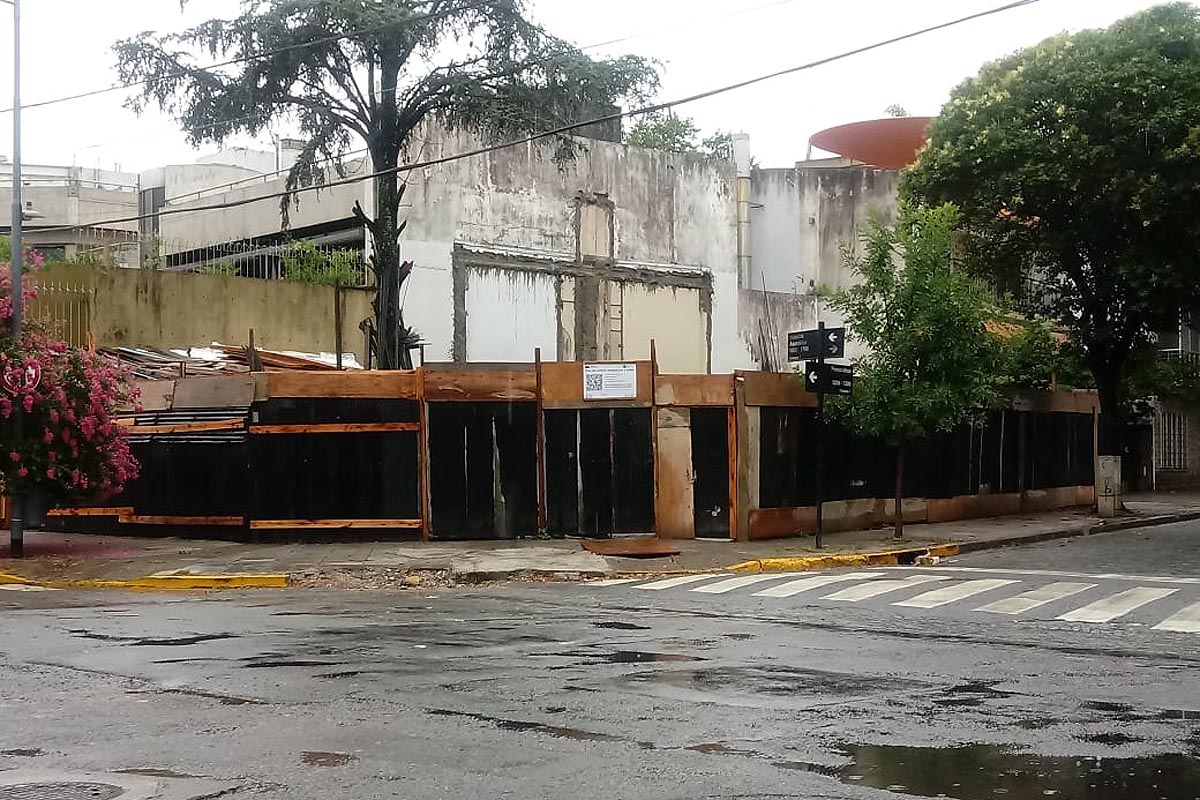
(612, 581)
(1117, 605)
(1038, 597)
(683, 580)
(949, 594)
(815, 582)
(721, 587)
(1186, 621)
(870, 589)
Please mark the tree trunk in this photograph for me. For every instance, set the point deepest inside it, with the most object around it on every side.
(391, 335)
(1111, 418)
(899, 529)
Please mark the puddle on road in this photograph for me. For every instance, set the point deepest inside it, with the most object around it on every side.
(620, 626)
(778, 681)
(155, 772)
(989, 772)
(315, 758)
(522, 726)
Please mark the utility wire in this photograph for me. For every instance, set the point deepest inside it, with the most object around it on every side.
(564, 129)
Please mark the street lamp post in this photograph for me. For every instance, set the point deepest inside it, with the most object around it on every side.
(16, 261)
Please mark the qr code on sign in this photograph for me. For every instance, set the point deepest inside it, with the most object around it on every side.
(593, 383)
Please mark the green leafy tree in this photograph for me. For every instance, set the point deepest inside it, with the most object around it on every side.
(664, 130)
(348, 71)
(931, 364)
(1075, 163)
(718, 147)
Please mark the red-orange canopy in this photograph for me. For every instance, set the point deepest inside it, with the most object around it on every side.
(889, 143)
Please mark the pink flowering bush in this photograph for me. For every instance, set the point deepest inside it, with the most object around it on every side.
(59, 434)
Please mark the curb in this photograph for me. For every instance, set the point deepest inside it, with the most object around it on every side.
(891, 558)
(883, 558)
(160, 582)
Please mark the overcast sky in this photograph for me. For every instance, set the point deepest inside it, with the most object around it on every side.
(701, 44)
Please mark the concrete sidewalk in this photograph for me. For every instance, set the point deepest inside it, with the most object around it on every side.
(79, 560)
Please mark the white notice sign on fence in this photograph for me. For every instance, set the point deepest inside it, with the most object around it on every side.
(609, 381)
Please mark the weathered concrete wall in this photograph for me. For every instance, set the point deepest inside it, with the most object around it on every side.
(129, 307)
(671, 214)
(800, 219)
(184, 231)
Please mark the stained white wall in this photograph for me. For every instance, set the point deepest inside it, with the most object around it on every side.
(509, 313)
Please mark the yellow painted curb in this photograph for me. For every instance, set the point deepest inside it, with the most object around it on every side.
(885, 558)
(163, 582)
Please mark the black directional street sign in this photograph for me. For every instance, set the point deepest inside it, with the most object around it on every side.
(817, 343)
(828, 378)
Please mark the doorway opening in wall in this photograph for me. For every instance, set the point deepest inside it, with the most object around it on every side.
(710, 472)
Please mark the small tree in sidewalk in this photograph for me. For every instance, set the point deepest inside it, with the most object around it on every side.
(931, 365)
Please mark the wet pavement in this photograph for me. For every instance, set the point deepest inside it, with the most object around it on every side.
(570, 690)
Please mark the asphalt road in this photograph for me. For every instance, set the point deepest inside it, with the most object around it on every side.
(873, 684)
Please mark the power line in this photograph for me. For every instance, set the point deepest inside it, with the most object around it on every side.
(246, 59)
(564, 129)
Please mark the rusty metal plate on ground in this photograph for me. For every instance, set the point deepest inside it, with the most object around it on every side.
(61, 790)
(647, 547)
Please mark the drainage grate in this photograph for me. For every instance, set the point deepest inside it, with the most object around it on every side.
(61, 791)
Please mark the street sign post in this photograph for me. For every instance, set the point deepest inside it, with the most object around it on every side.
(822, 379)
(819, 343)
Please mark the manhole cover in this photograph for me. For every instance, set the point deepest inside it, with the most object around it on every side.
(61, 791)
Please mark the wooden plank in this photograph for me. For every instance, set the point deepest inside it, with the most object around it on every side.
(338, 427)
(334, 524)
(693, 390)
(214, 522)
(221, 391)
(562, 386)
(540, 421)
(779, 523)
(423, 455)
(117, 511)
(674, 497)
(480, 385)
(206, 426)
(733, 473)
(155, 395)
(364, 384)
(781, 389)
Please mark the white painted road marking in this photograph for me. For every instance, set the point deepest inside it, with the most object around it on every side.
(949, 594)
(870, 589)
(671, 583)
(814, 582)
(612, 582)
(1117, 605)
(1051, 573)
(1186, 621)
(721, 587)
(1038, 597)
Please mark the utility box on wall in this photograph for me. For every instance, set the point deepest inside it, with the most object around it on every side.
(1108, 486)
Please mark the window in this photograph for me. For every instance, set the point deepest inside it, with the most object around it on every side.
(1170, 441)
